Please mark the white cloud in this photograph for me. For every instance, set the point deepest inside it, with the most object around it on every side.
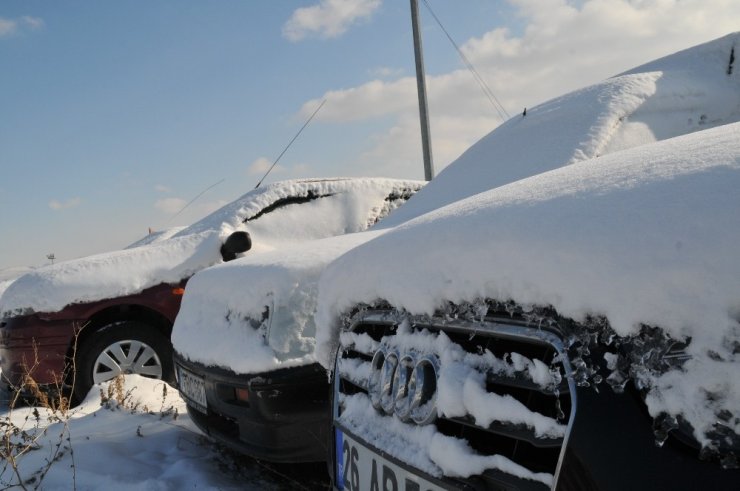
(185, 216)
(563, 46)
(9, 27)
(262, 165)
(33, 22)
(170, 205)
(328, 19)
(63, 205)
(161, 188)
(386, 72)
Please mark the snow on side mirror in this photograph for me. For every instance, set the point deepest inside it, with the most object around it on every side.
(235, 243)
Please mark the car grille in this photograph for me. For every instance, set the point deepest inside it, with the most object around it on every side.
(528, 354)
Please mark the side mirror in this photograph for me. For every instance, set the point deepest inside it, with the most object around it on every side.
(236, 243)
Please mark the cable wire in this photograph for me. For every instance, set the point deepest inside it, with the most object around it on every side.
(291, 142)
(193, 200)
(498, 107)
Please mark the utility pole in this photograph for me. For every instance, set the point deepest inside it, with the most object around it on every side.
(421, 89)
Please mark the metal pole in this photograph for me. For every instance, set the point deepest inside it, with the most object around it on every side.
(421, 89)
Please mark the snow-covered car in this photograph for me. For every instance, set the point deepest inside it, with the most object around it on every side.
(244, 338)
(113, 313)
(244, 351)
(579, 329)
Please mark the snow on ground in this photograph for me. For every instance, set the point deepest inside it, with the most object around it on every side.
(145, 442)
(644, 236)
(341, 205)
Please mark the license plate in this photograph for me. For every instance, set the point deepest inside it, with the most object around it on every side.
(359, 468)
(193, 388)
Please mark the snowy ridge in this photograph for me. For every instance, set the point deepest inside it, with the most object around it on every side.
(675, 95)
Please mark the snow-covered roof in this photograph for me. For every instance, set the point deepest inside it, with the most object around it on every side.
(645, 236)
(280, 213)
(678, 94)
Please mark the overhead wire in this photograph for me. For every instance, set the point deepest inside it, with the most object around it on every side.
(193, 200)
(498, 107)
(291, 142)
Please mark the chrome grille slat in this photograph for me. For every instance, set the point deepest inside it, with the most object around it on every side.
(515, 441)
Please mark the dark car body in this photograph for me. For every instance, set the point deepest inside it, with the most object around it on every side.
(279, 416)
(42, 345)
(610, 441)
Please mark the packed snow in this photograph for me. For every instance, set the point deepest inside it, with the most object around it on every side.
(331, 207)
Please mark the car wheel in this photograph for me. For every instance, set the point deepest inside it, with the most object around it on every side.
(123, 348)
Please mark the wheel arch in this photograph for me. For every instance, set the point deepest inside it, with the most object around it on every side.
(120, 313)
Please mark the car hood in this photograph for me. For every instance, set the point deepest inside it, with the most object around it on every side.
(256, 314)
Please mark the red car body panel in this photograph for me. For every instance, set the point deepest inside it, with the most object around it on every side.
(42, 342)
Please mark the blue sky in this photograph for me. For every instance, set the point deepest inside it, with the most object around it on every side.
(113, 115)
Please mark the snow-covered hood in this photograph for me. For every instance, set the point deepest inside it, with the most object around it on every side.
(646, 236)
(255, 314)
(280, 213)
(655, 228)
(688, 91)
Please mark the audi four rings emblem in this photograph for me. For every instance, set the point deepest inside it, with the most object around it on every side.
(404, 384)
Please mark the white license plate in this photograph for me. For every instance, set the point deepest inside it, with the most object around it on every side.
(193, 388)
(359, 468)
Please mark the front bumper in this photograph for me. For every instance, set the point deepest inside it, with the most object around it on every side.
(285, 418)
(608, 441)
(33, 346)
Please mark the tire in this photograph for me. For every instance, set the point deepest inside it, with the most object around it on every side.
(127, 347)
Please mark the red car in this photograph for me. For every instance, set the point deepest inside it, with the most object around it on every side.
(78, 323)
